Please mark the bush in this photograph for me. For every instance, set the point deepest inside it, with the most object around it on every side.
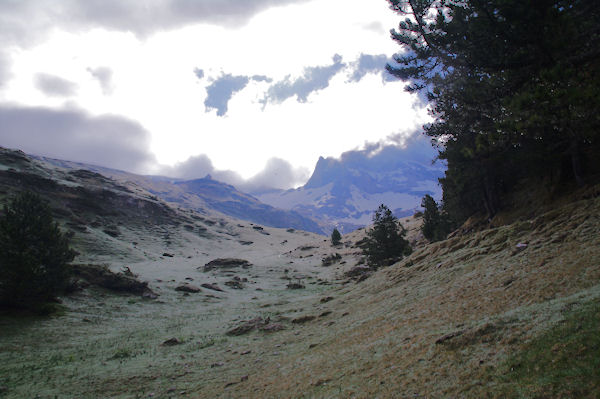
(33, 253)
(385, 243)
(336, 237)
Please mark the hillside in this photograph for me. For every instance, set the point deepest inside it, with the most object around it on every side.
(203, 195)
(505, 311)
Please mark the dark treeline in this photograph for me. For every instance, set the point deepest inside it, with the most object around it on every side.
(515, 92)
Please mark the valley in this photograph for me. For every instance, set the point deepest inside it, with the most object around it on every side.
(447, 321)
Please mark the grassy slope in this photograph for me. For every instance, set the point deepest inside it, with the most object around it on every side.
(494, 298)
(451, 320)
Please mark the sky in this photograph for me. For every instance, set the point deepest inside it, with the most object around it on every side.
(252, 92)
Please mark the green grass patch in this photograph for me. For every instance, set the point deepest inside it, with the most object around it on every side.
(563, 362)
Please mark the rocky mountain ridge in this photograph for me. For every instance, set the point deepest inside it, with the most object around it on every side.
(345, 192)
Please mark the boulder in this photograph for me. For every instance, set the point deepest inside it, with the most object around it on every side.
(187, 288)
(226, 263)
(212, 286)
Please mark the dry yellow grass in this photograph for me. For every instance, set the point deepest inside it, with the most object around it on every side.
(482, 287)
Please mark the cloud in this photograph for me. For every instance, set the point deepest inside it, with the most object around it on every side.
(72, 134)
(313, 79)
(4, 69)
(54, 86)
(262, 78)
(278, 173)
(375, 26)
(221, 91)
(199, 73)
(27, 20)
(104, 77)
(367, 63)
(194, 167)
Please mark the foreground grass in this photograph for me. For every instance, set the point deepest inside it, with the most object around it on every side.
(563, 362)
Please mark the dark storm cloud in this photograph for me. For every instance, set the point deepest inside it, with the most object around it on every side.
(313, 79)
(367, 63)
(54, 86)
(221, 90)
(26, 20)
(74, 135)
(104, 77)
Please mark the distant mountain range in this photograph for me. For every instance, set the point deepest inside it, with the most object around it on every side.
(341, 193)
(345, 192)
(205, 195)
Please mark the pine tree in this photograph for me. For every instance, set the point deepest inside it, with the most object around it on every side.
(336, 237)
(513, 87)
(34, 253)
(385, 240)
(436, 224)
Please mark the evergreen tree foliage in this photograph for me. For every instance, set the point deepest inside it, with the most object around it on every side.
(336, 237)
(385, 241)
(436, 224)
(513, 86)
(33, 253)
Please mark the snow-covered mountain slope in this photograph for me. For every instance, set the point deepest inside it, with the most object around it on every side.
(345, 192)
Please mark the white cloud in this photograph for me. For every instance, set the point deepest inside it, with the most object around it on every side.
(155, 79)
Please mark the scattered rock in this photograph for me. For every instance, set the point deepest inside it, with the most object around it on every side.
(101, 276)
(307, 248)
(245, 352)
(326, 299)
(217, 364)
(167, 255)
(295, 286)
(187, 288)
(325, 313)
(331, 259)
(448, 337)
(212, 286)
(303, 319)
(246, 242)
(234, 284)
(149, 295)
(226, 263)
(171, 342)
(112, 231)
(248, 325)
